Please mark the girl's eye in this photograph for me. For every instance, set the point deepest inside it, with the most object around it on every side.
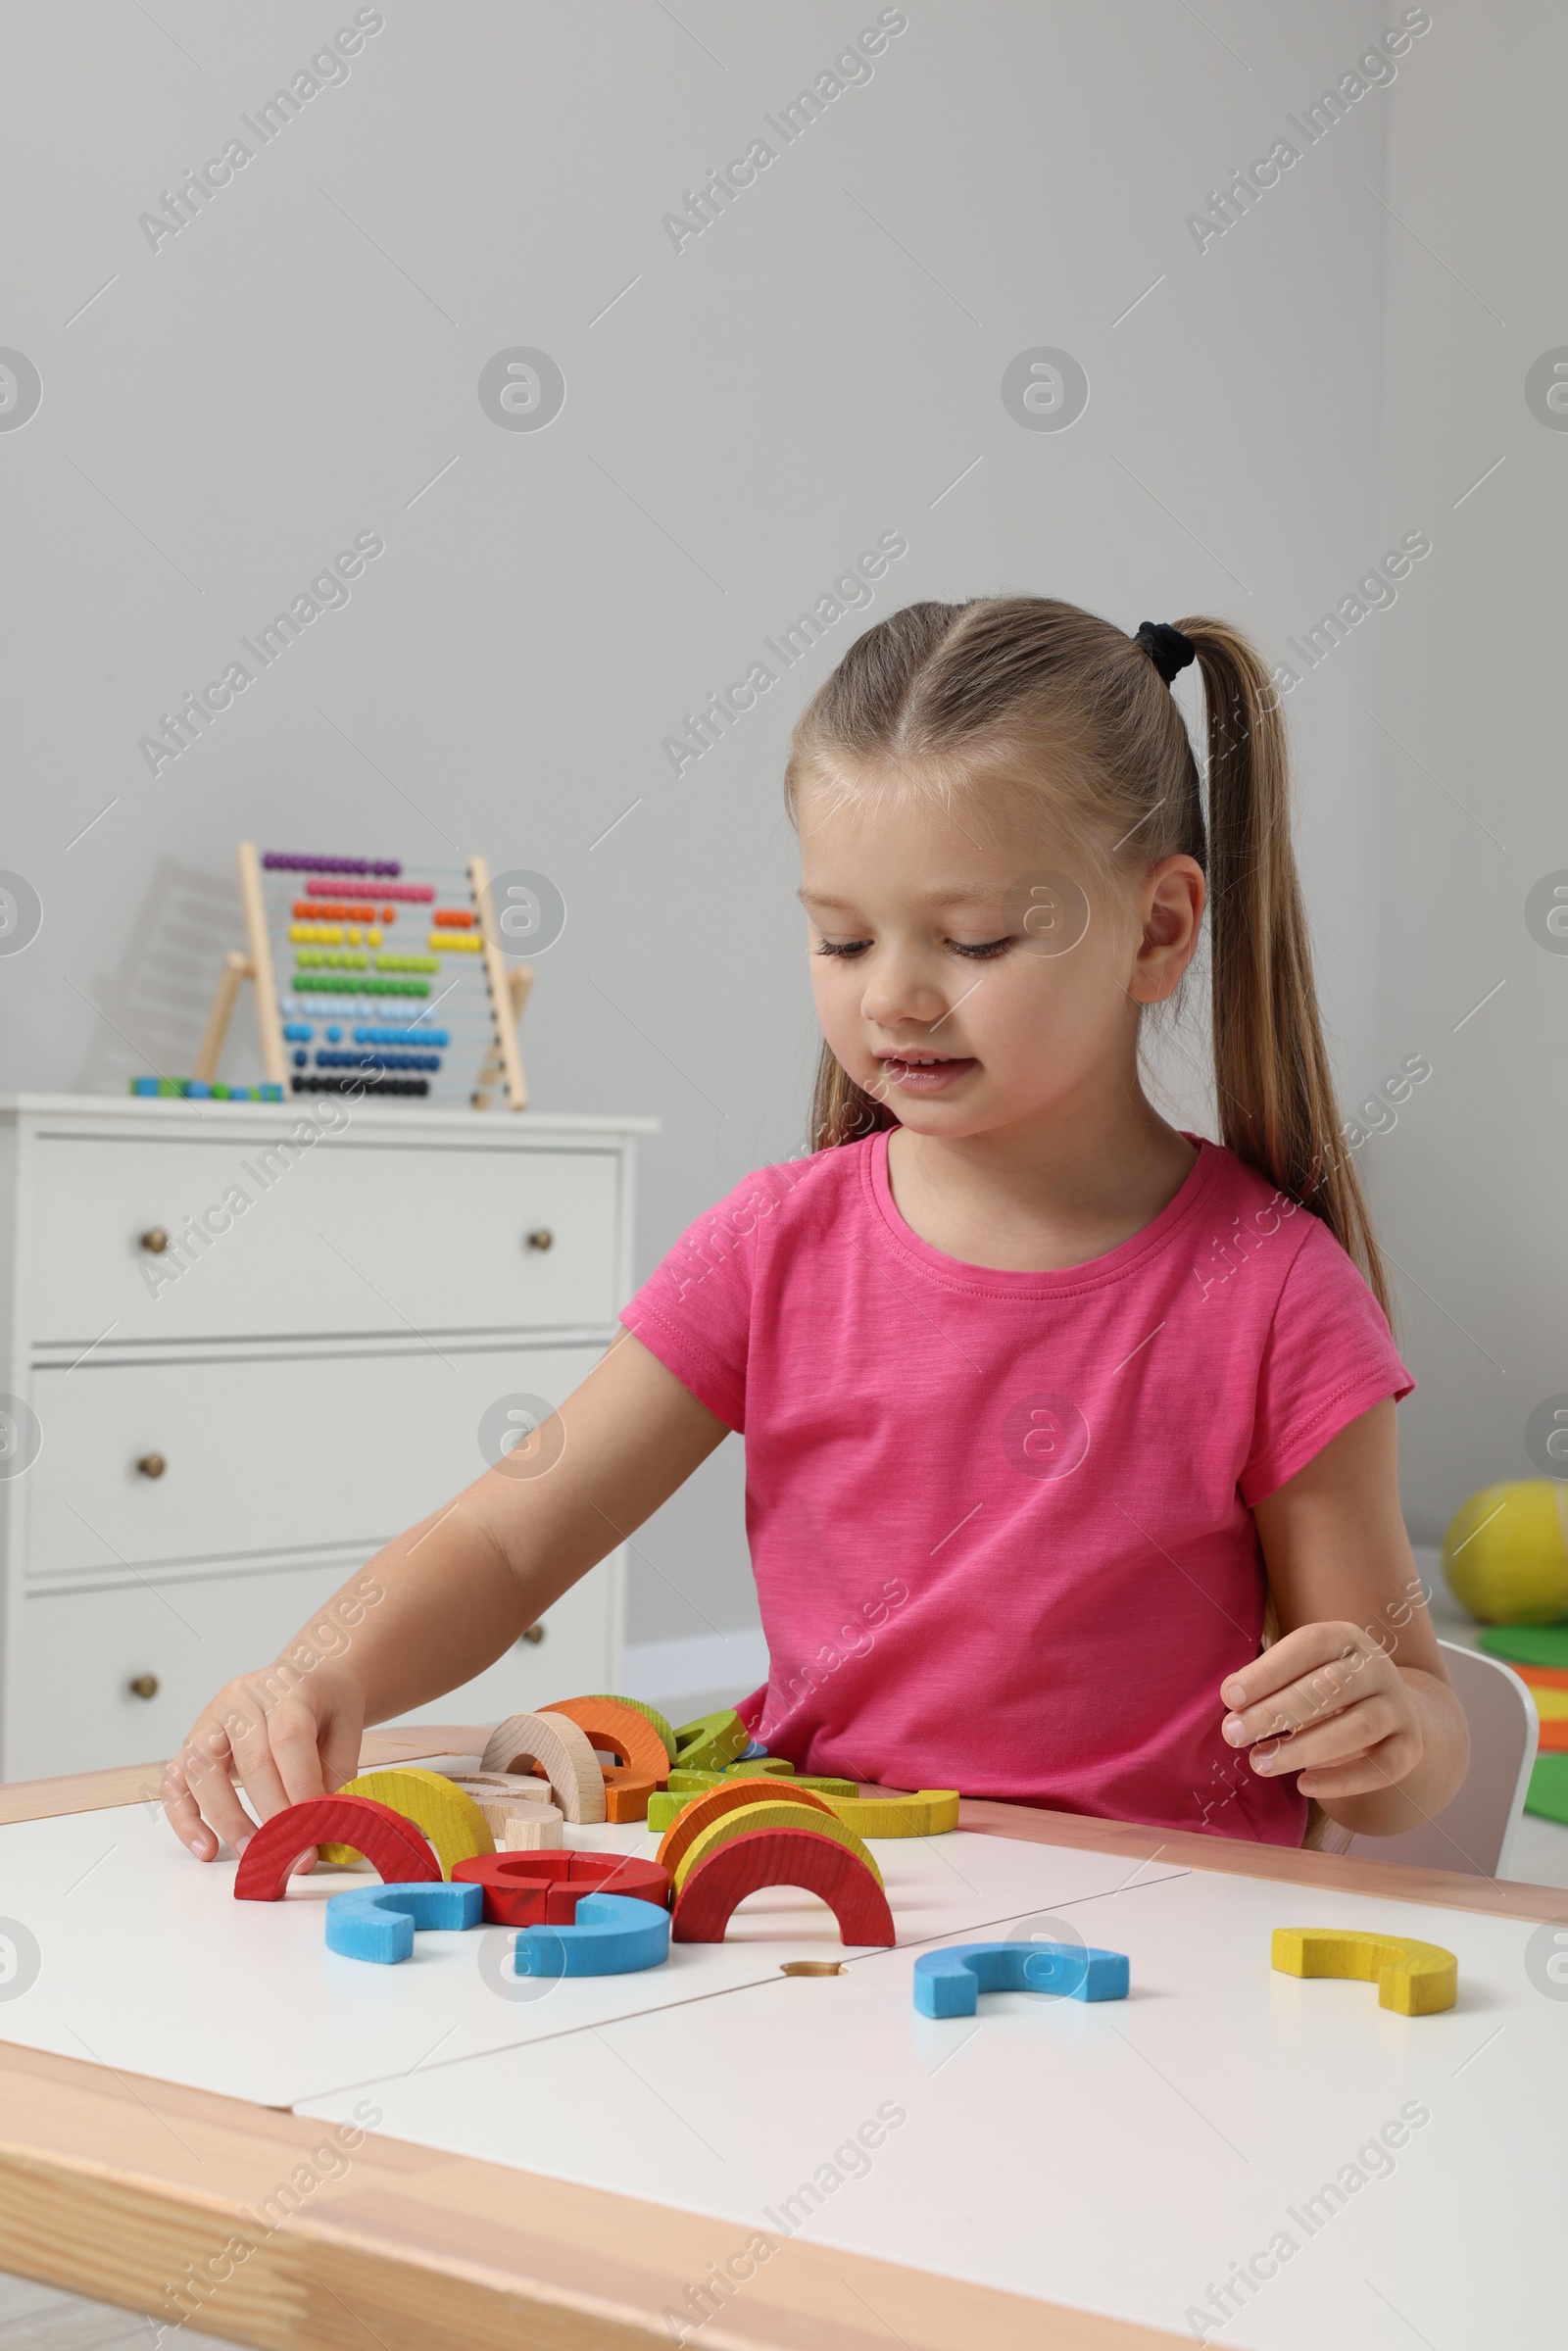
(982, 954)
(842, 946)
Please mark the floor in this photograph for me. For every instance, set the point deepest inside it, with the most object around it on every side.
(33, 2318)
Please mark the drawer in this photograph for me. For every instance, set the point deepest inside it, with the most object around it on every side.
(348, 1235)
(75, 1710)
(261, 1455)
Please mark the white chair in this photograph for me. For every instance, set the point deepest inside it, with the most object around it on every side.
(1475, 1831)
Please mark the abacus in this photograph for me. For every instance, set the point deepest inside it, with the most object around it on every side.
(373, 977)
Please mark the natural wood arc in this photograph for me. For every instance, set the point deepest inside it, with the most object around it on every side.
(564, 1754)
(733, 1795)
(113, 2185)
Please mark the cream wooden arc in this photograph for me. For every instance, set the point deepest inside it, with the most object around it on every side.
(564, 1754)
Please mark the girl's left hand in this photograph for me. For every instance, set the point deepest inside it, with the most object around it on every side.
(1327, 1702)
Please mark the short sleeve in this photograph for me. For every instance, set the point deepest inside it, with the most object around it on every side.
(694, 1311)
(1329, 1357)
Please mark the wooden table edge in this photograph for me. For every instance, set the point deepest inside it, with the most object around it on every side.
(137, 2190)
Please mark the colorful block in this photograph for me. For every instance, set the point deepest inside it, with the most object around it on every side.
(932, 1812)
(527, 1889)
(451, 1820)
(389, 1842)
(711, 1740)
(949, 1983)
(613, 1934)
(561, 1751)
(378, 1921)
(700, 1812)
(712, 1889)
(623, 1730)
(748, 1819)
(1414, 1978)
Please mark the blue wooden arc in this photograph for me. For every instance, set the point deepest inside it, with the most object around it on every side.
(615, 1934)
(949, 1983)
(379, 1922)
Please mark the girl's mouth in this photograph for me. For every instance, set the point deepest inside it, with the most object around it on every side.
(926, 1073)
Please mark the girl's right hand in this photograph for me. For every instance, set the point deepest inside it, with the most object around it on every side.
(278, 1749)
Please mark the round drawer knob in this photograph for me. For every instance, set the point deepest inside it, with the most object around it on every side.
(534, 1634)
(541, 1238)
(145, 1685)
(152, 1465)
(155, 1238)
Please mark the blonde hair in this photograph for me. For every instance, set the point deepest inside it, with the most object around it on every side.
(1068, 701)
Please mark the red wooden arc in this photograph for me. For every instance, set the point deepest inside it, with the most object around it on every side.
(542, 1890)
(389, 1842)
(781, 1857)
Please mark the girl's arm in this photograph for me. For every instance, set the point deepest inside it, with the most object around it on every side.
(1354, 1695)
(444, 1600)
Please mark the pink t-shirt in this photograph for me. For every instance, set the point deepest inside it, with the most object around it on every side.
(1001, 1522)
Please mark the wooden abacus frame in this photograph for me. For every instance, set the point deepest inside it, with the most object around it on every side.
(507, 989)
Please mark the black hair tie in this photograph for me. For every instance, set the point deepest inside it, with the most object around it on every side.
(1166, 646)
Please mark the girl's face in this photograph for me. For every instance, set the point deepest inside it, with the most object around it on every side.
(975, 977)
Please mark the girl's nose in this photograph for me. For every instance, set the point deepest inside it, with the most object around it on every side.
(896, 991)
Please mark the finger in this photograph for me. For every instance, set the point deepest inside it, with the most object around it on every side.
(207, 1763)
(184, 1816)
(339, 1746)
(1365, 1775)
(1356, 1731)
(293, 1733)
(1286, 1660)
(248, 1724)
(1329, 1688)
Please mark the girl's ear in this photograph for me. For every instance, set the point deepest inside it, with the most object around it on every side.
(1171, 906)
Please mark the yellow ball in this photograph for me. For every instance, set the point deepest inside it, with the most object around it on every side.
(1506, 1553)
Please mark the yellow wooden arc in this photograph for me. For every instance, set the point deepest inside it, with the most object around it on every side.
(453, 1822)
(765, 1815)
(1414, 1978)
(931, 1812)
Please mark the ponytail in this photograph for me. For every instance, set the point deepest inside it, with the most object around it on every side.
(1272, 1083)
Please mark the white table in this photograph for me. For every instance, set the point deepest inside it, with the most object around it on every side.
(568, 2169)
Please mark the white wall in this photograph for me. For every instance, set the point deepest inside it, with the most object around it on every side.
(1469, 1186)
(815, 370)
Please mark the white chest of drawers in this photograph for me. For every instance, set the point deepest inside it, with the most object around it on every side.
(199, 1443)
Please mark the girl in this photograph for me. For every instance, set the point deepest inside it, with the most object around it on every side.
(1069, 1437)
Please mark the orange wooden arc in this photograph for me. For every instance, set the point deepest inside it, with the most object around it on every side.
(703, 1810)
(390, 1843)
(630, 1736)
(781, 1857)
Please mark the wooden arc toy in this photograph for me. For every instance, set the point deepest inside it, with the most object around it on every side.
(947, 1982)
(542, 1890)
(711, 1740)
(391, 1843)
(563, 1754)
(731, 1795)
(1414, 1978)
(819, 1864)
(628, 1735)
(517, 1819)
(930, 1812)
(378, 1921)
(748, 1820)
(650, 1714)
(613, 1934)
(451, 1820)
